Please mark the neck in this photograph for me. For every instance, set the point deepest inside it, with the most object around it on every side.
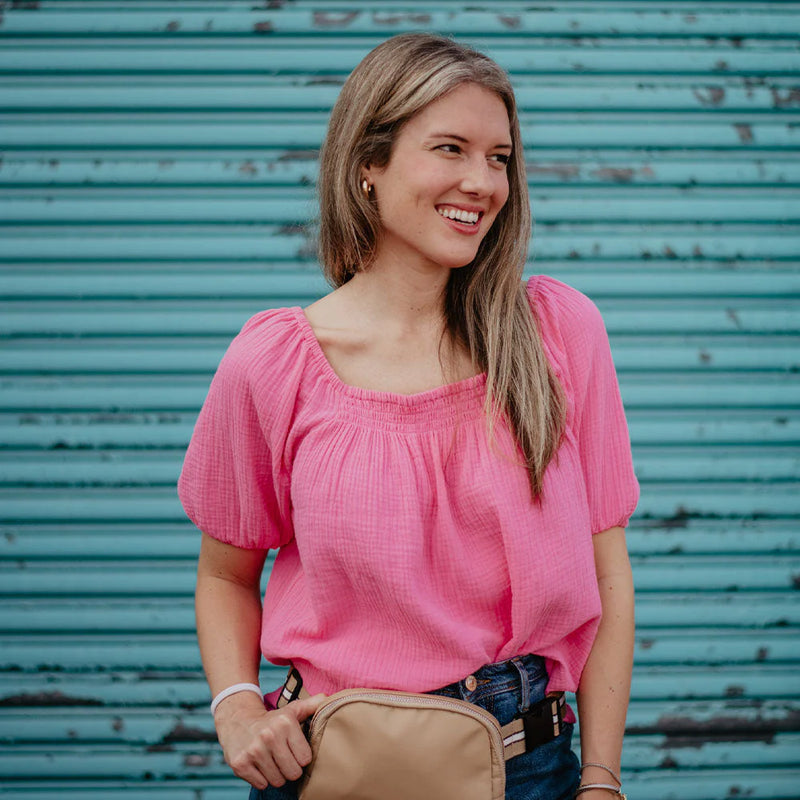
(402, 298)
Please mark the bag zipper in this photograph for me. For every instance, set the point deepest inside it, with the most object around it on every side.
(407, 699)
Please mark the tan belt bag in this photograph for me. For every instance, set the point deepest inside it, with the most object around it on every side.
(370, 744)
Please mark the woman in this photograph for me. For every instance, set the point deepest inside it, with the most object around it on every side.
(430, 447)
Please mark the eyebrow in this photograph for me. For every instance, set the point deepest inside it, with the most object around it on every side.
(444, 134)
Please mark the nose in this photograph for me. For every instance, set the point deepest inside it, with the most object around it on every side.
(477, 179)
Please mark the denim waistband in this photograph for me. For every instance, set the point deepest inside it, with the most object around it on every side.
(527, 674)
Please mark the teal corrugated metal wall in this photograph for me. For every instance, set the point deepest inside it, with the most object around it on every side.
(158, 162)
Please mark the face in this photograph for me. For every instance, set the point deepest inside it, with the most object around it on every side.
(445, 182)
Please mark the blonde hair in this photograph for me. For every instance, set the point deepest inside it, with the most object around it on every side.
(486, 305)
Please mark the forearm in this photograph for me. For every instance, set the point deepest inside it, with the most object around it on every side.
(604, 688)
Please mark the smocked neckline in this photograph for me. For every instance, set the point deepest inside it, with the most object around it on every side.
(475, 384)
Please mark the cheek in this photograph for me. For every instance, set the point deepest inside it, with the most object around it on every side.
(502, 190)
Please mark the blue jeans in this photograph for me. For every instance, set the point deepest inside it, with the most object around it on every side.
(549, 772)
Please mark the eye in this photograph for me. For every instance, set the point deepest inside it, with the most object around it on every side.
(501, 158)
(449, 148)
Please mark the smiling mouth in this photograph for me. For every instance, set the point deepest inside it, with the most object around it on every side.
(459, 215)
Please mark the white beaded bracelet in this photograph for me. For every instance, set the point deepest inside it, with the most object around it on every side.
(237, 687)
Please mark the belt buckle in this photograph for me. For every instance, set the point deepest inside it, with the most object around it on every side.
(544, 721)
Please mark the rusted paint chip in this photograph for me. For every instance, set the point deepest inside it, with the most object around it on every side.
(563, 171)
(710, 96)
(791, 97)
(326, 19)
(265, 26)
(183, 733)
(616, 174)
(46, 699)
(299, 155)
(731, 314)
(396, 19)
(512, 22)
(196, 760)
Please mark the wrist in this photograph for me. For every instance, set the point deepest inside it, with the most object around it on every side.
(232, 704)
(591, 773)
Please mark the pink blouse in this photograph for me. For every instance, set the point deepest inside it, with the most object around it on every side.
(410, 552)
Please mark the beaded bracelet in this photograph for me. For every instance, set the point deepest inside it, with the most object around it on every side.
(237, 687)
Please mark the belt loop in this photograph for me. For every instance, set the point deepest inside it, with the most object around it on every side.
(524, 685)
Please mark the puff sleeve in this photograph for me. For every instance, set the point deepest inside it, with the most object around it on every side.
(575, 328)
(232, 485)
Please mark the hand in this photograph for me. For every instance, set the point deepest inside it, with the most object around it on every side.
(264, 748)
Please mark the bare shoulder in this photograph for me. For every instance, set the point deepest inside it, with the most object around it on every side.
(336, 321)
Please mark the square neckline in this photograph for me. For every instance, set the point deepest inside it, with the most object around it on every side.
(471, 383)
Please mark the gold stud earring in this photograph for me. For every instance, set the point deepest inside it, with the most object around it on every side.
(366, 187)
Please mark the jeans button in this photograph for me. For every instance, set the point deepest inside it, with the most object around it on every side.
(471, 682)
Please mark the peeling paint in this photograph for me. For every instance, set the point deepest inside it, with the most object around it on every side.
(616, 174)
(744, 131)
(734, 691)
(46, 699)
(563, 171)
(196, 760)
(705, 357)
(710, 96)
(509, 21)
(265, 26)
(396, 19)
(680, 519)
(669, 252)
(684, 731)
(299, 155)
(731, 314)
(325, 80)
(791, 97)
(183, 733)
(173, 25)
(721, 66)
(248, 168)
(328, 20)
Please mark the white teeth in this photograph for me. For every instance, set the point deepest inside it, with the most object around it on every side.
(470, 217)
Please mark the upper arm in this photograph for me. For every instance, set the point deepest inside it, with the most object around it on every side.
(611, 554)
(227, 562)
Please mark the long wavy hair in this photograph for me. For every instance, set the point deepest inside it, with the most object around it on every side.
(485, 303)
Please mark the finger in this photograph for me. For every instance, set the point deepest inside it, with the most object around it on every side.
(273, 776)
(286, 762)
(250, 773)
(303, 709)
(256, 764)
(298, 744)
